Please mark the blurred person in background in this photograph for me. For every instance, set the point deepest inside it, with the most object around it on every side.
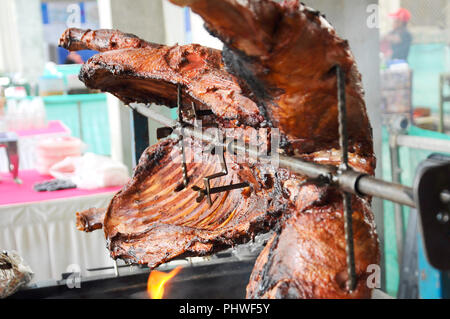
(74, 58)
(396, 44)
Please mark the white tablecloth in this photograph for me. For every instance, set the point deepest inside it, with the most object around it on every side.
(44, 234)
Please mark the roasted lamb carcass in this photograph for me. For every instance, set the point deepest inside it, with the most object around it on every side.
(280, 73)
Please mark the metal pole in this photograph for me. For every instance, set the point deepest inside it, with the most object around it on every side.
(183, 153)
(424, 143)
(441, 103)
(80, 120)
(347, 199)
(396, 193)
(116, 268)
(398, 211)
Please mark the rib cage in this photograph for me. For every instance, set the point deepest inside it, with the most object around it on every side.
(154, 219)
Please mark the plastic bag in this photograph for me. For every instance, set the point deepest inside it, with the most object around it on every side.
(13, 273)
(91, 171)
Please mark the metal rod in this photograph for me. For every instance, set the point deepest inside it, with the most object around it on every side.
(80, 120)
(398, 211)
(396, 193)
(342, 108)
(441, 104)
(183, 153)
(362, 184)
(116, 269)
(346, 197)
(109, 268)
(424, 143)
(226, 188)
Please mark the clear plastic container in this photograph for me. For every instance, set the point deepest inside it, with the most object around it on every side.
(25, 114)
(51, 85)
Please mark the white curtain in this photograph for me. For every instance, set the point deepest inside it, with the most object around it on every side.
(22, 38)
(9, 44)
(44, 234)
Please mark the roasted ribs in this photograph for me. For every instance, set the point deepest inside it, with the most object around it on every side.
(155, 218)
(277, 71)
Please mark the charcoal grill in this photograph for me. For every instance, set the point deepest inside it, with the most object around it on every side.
(225, 277)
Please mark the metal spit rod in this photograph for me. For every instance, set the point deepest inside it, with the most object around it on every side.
(349, 180)
(346, 197)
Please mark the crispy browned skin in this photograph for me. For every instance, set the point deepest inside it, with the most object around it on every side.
(138, 71)
(287, 56)
(306, 257)
(154, 219)
(91, 219)
(75, 39)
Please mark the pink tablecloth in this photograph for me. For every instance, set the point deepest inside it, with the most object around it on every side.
(53, 127)
(12, 193)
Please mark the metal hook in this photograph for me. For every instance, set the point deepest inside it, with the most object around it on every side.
(199, 113)
(208, 191)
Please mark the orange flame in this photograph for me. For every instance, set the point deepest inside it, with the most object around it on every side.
(157, 280)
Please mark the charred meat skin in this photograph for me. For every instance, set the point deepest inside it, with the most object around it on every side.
(102, 40)
(287, 56)
(306, 257)
(138, 71)
(91, 219)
